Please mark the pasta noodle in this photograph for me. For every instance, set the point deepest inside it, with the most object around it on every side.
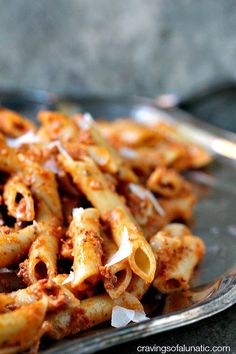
(91, 181)
(177, 252)
(18, 200)
(87, 249)
(15, 244)
(116, 277)
(88, 216)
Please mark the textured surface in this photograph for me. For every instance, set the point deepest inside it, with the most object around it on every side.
(116, 47)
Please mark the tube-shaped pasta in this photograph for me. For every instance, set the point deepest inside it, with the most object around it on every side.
(79, 316)
(46, 176)
(124, 171)
(141, 259)
(177, 230)
(146, 158)
(15, 244)
(177, 255)
(9, 161)
(165, 182)
(98, 309)
(103, 158)
(85, 233)
(56, 295)
(43, 185)
(116, 277)
(91, 181)
(13, 124)
(44, 250)
(18, 199)
(69, 320)
(58, 126)
(180, 207)
(198, 156)
(138, 287)
(128, 133)
(20, 329)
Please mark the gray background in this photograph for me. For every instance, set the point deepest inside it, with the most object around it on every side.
(117, 47)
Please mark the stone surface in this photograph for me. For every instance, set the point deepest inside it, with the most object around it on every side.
(116, 47)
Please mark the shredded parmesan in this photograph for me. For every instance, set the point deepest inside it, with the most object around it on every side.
(144, 193)
(86, 122)
(76, 212)
(52, 166)
(124, 250)
(27, 138)
(127, 152)
(69, 279)
(57, 144)
(6, 270)
(122, 316)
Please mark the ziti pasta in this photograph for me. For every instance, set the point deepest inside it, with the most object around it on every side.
(88, 216)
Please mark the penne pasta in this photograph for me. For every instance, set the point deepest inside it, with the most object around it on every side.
(93, 184)
(44, 250)
(87, 223)
(165, 182)
(129, 133)
(177, 255)
(87, 249)
(116, 163)
(13, 124)
(9, 161)
(80, 316)
(103, 158)
(58, 126)
(43, 185)
(18, 199)
(117, 276)
(98, 308)
(138, 287)
(20, 329)
(15, 244)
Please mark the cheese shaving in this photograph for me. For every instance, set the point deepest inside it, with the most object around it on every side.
(6, 270)
(69, 279)
(52, 166)
(86, 122)
(128, 153)
(124, 250)
(27, 138)
(144, 193)
(76, 212)
(122, 316)
(57, 144)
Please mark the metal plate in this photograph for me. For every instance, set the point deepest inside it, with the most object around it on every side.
(213, 288)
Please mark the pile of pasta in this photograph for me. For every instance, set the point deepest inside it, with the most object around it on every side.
(88, 215)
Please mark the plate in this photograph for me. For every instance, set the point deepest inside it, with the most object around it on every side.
(213, 288)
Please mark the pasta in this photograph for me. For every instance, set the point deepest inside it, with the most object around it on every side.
(87, 222)
(87, 248)
(178, 252)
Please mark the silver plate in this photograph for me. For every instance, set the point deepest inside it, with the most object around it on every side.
(213, 288)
